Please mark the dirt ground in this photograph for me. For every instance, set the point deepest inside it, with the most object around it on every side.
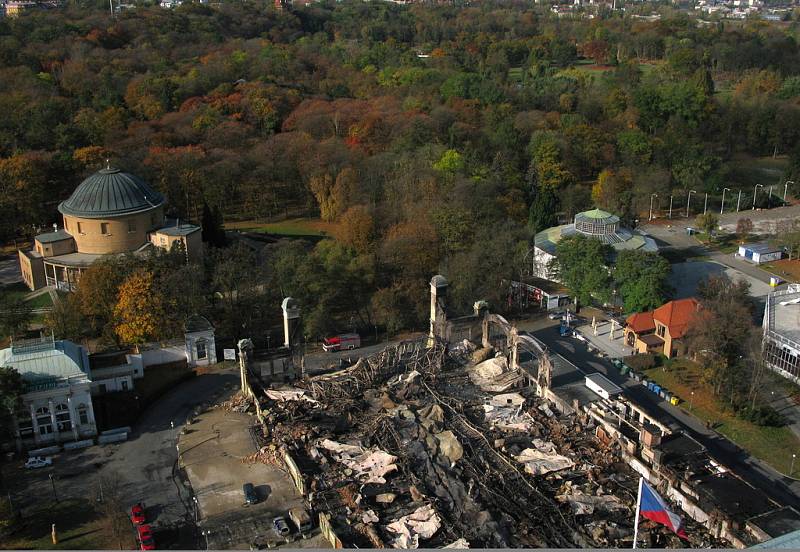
(785, 269)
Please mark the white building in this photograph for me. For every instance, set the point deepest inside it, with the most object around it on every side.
(57, 403)
(758, 253)
(595, 224)
(781, 342)
(201, 350)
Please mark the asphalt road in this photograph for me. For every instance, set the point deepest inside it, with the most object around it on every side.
(783, 490)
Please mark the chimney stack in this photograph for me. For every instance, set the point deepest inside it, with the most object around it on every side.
(438, 306)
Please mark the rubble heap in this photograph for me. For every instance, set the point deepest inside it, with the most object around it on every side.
(405, 449)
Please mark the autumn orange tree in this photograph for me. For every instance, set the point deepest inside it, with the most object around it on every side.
(141, 313)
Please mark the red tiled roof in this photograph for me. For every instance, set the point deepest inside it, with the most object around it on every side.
(641, 322)
(676, 315)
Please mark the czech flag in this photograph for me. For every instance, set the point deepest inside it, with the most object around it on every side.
(653, 507)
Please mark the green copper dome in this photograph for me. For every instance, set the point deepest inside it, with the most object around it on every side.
(109, 193)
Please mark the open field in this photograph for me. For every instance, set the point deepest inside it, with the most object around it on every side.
(724, 243)
(747, 171)
(785, 269)
(289, 227)
(773, 445)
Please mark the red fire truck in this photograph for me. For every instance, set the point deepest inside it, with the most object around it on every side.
(341, 342)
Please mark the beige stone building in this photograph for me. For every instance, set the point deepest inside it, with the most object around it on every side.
(109, 213)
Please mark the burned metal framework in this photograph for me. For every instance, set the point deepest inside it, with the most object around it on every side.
(424, 355)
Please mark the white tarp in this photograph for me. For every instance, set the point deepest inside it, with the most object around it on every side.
(508, 418)
(288, 395)
(372, 464)
(422, 523)
(507, 399)
(584, 504)
(543, 459)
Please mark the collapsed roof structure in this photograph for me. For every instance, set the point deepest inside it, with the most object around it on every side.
(441, 443)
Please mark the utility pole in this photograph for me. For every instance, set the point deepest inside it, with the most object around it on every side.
(739, 201)
(755, 194)
(651, 205)
(705, 205)
(769, 197)
(786, 188)
(670, 207)
(722, 208)
(53, 483)
(689, 199)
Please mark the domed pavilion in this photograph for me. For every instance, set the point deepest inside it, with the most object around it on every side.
(110, 213)
(595, 224)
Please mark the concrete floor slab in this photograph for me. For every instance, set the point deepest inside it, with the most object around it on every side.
(211, 451)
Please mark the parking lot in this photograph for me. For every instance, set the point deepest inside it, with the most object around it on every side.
(212, 452)
(142, 469)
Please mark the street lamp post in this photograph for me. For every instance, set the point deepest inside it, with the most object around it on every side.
(755, 194)
(791, 470)
(670, 207)
(53, 483)
(688, 199)
(691, 401)
(786, 188)
(739, 201)
(651, 205)
(705, 204)
(722, 208)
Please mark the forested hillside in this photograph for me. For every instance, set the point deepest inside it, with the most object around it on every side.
(436, 138)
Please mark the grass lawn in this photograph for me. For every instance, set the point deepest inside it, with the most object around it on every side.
(785, 269)
(724, 243)
(77, 526)
(747, 171)
(774, 445)
(289, 227)
(40, 301)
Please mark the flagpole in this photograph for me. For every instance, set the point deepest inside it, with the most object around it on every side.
(638, 507)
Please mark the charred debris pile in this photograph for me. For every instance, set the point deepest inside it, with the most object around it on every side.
(404, 450)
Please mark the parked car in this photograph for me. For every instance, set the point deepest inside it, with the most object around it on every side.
(137, 514)
(250, 495)
(145, 536)
(301, 520)
(38, 462)
(555, 315)
(280, 527)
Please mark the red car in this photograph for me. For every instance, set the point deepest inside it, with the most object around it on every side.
(146, 541)
(137, 514)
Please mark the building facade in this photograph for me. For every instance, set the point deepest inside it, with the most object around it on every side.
(595, 224)
(781, 332)
(662, 330)
(57, 403)
(109, 213)
(201, 349)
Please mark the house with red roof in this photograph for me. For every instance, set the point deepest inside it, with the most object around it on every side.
(661, 330)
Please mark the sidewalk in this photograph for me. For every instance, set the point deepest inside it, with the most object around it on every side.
(615, 348)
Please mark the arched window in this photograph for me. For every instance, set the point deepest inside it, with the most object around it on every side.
(202, 350)
(63, 420)
(83, 414)
(44, 421)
